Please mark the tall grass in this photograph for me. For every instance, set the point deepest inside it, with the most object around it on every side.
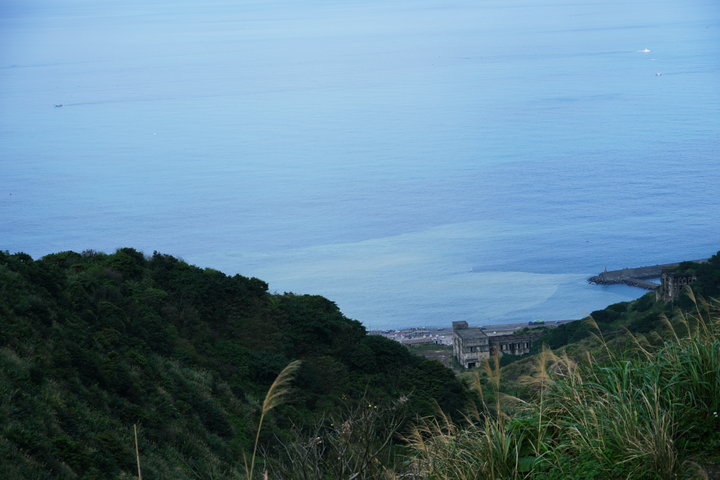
(634, 414)
(355, 443)
(275, 396)
(137, 453)
(640, 413)
(491, 446)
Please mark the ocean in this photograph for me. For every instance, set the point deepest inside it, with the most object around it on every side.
(417, 162)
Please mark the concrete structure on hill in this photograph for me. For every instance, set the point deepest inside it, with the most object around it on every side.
(672, 283)
(471, 345)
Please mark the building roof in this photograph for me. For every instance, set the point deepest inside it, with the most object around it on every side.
(470, 333)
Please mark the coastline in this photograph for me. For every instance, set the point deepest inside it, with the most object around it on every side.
(419, 332)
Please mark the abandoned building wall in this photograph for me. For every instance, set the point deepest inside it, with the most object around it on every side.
(672, 283)
(471, 344)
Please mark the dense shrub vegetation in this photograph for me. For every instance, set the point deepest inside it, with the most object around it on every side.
(91, 344)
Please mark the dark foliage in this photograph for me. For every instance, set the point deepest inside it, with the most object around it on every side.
(572, 332)
(644, 303)
(91, 344)
(645, 324)
(708, 279)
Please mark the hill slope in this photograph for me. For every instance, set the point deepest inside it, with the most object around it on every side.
(91, 344)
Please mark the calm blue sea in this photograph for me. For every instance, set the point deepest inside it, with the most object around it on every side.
(417, 162)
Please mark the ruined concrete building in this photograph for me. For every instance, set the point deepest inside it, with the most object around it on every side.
(673, 282)
(471, 345)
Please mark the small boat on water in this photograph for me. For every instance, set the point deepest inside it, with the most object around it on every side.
(58, 105)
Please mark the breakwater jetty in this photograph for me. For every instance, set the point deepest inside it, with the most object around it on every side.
(635, 277)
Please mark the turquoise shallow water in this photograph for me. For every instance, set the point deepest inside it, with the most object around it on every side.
(416, 162)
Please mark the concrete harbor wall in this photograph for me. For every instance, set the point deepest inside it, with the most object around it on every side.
(634, 276)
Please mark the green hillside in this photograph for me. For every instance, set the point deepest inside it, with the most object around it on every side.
(633, 391)
(92, 344)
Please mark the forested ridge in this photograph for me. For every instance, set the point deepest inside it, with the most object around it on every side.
(93, 343)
